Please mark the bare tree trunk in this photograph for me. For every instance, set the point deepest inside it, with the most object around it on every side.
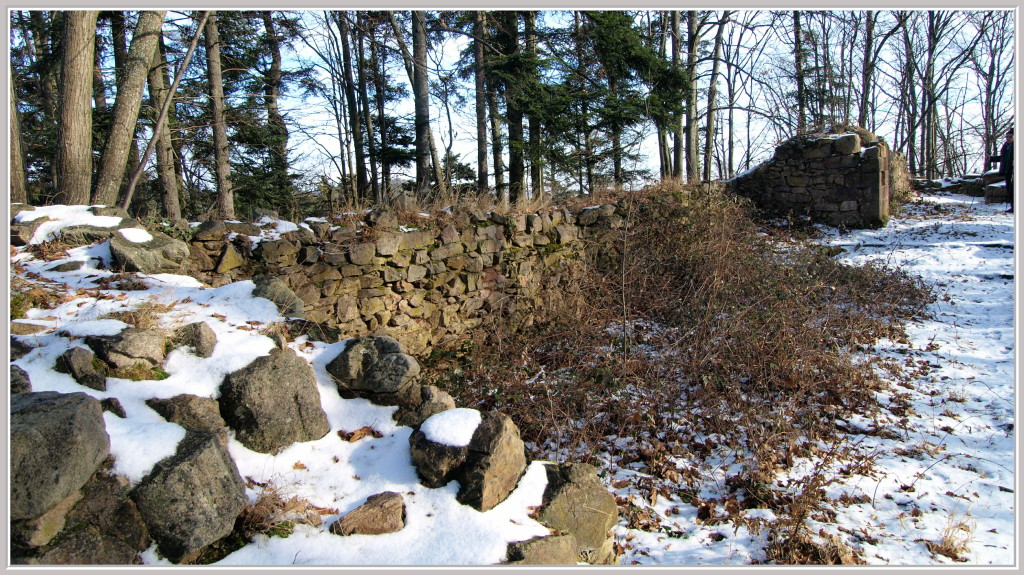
(798, 53)
(421, 97)
(379, 75)
(692, 146)
(271, 94)
(536, 145)
(677, 50)
(514, 112)
(225, 194)
(158, 91)
(709, 137)
(119, 36)
(19, 194)
(480, 30)
(99, 88)
(497, 149)
(126, 107)
(74, 127)
(354, 117)
(368, 122)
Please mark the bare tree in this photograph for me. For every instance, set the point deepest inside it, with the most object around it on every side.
(126, 107)
(74, 124)
(214, 74)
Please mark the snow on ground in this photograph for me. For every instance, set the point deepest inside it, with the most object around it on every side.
(948, 470)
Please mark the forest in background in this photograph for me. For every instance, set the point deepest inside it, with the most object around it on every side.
(195, 114)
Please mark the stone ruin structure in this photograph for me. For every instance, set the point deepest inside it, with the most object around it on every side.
(837, 179)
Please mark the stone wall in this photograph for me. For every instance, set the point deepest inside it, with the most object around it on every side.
(424, 284)
(839, 180)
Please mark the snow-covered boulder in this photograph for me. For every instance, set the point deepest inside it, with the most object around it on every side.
(148, 252)
(576, 502)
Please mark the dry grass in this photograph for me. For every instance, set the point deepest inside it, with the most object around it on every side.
(956, 537)
(146, 315)
(708, 337)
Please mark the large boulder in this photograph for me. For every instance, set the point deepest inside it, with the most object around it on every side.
(199, 336)
(382, 513)
(274, 289)
(57, 442)
(548, 550)
(191, 499)
(192, 412)
(575, 501)
(273, 402)
(421, 402)
(487, 468)
(375, 368)
(130, 348)
(104, 527)
(148, 252)
(80, 363)
(20, 381)
(496, 461)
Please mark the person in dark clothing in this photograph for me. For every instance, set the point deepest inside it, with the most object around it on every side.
(1006, 166)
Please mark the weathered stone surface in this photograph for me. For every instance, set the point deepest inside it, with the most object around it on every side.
(847, 144)
(103, 528)
(549, 550)
(436, 464)
(373, 367)
(57, 442)
(277, 251)
(113, 405)
(191, 412)
(191, 499)
(80, 363)
(39, 531)
(496, 461)
(162, 254)
(576, 502)
(19, 349)
(362, 254)
(25, 328)
(85, 234)
(383, 220)
(273, 402)
(230, 259)
(22, 232)
(20, 381)
(272, 288)
(129, 348)
(199, 336)
(421, 402)
(382, 513)
(210, 230)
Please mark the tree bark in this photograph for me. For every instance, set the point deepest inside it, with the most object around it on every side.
(126, 107)
(536, 144)
(678, 135)
(271, 93)
(158, 91)
(74, 126)
(513, 111)
(421, 96)
(692, 145)
(225, 193)
(480, 75)
(364, 100)
(19, 193)
(709, 136)
(798, 54)
(354, 117)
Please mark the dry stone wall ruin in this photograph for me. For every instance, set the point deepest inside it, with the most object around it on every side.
(424, 285)
(838, 179)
